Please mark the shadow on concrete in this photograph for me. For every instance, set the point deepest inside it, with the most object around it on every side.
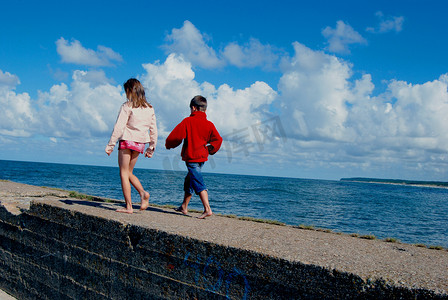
(113, 206)
(86, 203)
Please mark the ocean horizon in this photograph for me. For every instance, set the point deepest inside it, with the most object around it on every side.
(409, 213)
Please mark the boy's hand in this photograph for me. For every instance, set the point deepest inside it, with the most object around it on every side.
(210, 149)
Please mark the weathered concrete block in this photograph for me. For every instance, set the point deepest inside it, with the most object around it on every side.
(95, 225)
(10, 230)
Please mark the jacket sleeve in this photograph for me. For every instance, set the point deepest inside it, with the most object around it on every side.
(153, 132)
(176, 136)
(215, 140)
(119, 127)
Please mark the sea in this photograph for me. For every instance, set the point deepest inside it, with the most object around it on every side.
(410, 214)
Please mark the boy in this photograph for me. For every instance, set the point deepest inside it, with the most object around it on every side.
(200, 139)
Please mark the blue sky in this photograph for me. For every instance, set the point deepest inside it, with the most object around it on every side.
(308, 89)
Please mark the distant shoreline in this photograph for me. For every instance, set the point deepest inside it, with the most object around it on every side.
(433, 184)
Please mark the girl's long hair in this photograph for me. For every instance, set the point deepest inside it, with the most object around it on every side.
(136, 93)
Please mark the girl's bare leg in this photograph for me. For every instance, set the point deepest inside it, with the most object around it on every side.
(207, 210)
(124, 159)
(127, 160)
(144, 195)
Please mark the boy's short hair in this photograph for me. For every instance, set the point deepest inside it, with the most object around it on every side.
(199, 102)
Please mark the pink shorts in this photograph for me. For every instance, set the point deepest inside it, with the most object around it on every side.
(139, 147)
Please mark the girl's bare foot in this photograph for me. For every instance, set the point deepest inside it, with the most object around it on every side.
(180, 209)
(205, 214)
(125, 210)
(145, 201)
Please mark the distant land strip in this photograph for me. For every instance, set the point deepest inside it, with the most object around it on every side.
(397, 181)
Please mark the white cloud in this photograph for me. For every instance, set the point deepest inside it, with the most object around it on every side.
(170, 87)
(387, 24)
(405, 117)
(406, 122)
(422, 111)
(93, 78)
(239, 109)
(401, 131)
(341, 37)
(17, 114)
(314, 90)
(191, 43)
(332, 121)
(85, 109)
(74, 52)
(61, 119)
(252, 54)
(8, 80)
(58, 74)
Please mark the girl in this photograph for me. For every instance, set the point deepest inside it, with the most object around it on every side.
(135, 126)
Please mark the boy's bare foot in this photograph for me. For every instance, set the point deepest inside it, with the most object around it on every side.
(125, 210)
(145, 201)
(180, 209)
(205, 214)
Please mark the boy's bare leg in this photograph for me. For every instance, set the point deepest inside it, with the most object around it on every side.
(207, 210)
(184, 207)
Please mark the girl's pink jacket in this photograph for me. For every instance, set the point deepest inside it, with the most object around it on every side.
(134, 124)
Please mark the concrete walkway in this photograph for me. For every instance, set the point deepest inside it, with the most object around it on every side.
(5, 296)
(400, 264)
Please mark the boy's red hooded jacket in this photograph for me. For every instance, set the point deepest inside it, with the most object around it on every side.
(196, 132)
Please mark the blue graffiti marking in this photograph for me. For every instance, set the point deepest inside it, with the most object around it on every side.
(205, 272)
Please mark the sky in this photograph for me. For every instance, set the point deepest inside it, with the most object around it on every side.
(305, 89)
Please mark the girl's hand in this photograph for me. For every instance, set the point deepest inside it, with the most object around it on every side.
(109, 151)
(149, 152)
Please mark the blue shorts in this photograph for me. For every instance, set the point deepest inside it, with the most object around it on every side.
(194, 182)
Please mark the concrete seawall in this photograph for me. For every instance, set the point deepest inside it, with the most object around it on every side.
(56, 247)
